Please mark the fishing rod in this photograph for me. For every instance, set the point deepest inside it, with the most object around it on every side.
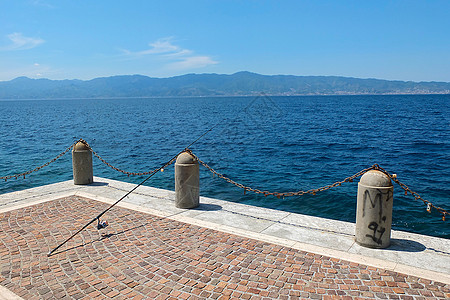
(104, 224)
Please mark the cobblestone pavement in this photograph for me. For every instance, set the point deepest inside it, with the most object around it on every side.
(143, 256)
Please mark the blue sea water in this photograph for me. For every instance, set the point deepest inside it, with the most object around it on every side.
(278, 144)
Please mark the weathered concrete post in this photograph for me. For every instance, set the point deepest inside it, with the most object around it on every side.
(374, 210)
(187, 181)
(82, 164)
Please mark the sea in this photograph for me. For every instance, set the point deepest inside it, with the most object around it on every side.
(273, 143)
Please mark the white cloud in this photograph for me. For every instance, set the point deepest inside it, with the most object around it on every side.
(164, 46)
(182, 52)
(20, 42)
(175, 56)
(161, 46)
(192, 62)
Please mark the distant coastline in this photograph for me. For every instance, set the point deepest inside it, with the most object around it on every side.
(211, 85)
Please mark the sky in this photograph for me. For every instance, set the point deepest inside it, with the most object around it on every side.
(66, 39)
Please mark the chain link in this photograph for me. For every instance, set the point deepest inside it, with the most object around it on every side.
(266, 193)
(120, 170)
(40, 167)
(407, 190)
(324, 188)
(278, 194)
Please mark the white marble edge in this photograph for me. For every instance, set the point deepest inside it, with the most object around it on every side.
(6, 294)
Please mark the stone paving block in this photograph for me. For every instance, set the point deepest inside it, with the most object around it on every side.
(144, 256)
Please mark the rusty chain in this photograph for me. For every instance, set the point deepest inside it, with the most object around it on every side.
(278, 194)
(95, 153)
(40, 167)
(407, 190)
(120, 170)
(266, 193)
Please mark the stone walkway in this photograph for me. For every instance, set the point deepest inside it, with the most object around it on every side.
(146, 256)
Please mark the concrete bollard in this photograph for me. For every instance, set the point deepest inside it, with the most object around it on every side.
(374, 210)
(82, 164)
(187, 181)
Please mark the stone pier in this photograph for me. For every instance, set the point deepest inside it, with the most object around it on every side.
(218, 250)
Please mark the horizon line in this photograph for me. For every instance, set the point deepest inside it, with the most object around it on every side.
(223, 74)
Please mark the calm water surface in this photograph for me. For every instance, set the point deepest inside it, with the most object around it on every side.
(272, 143)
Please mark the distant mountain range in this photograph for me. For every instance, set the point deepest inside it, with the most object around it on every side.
(238, 84)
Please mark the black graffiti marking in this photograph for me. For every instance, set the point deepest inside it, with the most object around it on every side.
(390, 194)
(374, 226)
(373, 202)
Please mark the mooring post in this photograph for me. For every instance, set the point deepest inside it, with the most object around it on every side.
(187, 181)
(82, 164)
(374, 210)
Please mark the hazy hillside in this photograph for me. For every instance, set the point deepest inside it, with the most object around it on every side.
(241, 83)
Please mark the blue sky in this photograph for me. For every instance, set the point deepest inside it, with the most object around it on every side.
(84, 39)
